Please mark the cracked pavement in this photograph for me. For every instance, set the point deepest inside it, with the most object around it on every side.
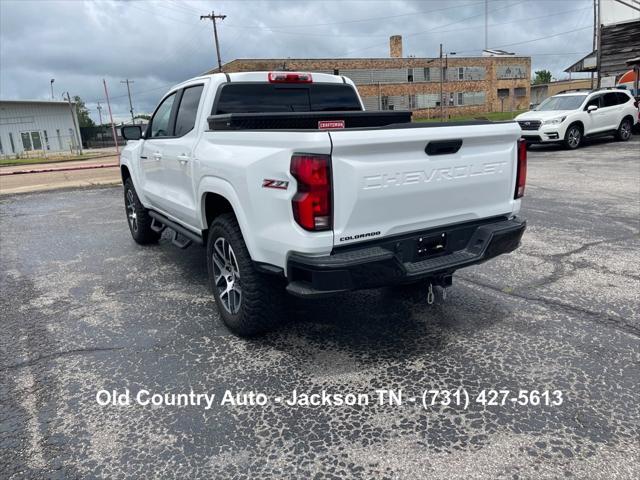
(84, 309)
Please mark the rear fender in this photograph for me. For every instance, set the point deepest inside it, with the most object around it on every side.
(225, 189)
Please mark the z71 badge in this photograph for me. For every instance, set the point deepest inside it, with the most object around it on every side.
(279, 184)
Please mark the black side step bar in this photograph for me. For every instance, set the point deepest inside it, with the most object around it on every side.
(188, 236)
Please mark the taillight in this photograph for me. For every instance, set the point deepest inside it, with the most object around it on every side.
(312, 202)
(290, 77)
(521, 175)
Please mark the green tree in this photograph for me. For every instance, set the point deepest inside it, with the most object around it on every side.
(542, 76)
(144, 117)
(83, 113)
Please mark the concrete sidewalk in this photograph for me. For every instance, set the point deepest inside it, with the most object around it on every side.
(60, 166)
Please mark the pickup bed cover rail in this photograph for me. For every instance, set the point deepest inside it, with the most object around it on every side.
(304, 120)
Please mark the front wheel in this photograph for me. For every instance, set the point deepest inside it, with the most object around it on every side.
(573, 137)
(624, 130)
(138, 217)
(249, 302)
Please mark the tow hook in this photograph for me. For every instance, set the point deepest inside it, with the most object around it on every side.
(430, 296)
(441, 284)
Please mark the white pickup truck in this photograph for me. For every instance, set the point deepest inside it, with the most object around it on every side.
(293, 187)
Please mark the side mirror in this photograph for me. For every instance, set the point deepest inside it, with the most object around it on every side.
(592, 108)
(132, 132)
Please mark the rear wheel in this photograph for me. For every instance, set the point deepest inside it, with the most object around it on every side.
(624, 130)
(249, 302)
(138, 217)
(573, 137)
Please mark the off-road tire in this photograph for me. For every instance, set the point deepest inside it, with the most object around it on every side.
(140, 228)
(263, 296)
(623, 133)
(569, 139)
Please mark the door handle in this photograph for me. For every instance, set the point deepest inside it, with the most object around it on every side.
(183, 159)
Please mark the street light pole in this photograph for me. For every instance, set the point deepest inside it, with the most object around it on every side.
(51, 82)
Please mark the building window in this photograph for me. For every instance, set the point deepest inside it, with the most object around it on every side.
(503, 92)
(46, 140)
(385, 103)
(451, 100)
(36, 142)
(1, 149)
(410, 75)
(412, 102)
(511, 71)
(59, 139)
(73, 138)
(336, 71)
(460, 99)
(520, 92)
(460, 73)
(13, 145)
(26, 141)
(427, 74)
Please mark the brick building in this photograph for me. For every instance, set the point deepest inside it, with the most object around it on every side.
(491, 83)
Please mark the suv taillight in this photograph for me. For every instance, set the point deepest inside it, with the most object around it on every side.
(521, 174)
(312, 202)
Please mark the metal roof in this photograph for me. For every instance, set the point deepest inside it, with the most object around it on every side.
(52, 102)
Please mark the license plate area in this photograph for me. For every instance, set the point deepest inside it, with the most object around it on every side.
(432, 245)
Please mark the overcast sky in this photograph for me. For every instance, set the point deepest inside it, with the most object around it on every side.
(160, 43)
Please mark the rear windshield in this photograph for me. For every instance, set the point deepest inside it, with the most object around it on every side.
(270, 98)
(566, 102)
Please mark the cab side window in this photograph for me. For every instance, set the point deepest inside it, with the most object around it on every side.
(160, 123)
(610, 99)
(594, 101)
(186, 118)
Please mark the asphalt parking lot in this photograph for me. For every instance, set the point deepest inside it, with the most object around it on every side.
(84, 309)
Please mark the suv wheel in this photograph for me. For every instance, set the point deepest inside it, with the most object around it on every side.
(624, 130)
(573, 137)
(249, 302)
(138, 217)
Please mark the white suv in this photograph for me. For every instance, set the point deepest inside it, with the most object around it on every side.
(570, 117)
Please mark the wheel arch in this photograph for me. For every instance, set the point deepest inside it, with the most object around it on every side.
(125, 173)
(578, 123)
(629, 117)
(217, 196)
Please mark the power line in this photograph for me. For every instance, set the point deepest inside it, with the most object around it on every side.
(435, 29)
(534, 39)
(368, 19)
(440, 26)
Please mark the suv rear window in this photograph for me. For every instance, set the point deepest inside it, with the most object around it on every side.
(270, 98)
(623, 97)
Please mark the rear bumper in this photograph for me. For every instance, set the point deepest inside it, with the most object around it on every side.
(396, 260)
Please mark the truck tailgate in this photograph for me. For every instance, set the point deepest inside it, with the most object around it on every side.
(397, 180)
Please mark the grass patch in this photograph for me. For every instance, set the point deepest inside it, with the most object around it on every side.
(493, 116)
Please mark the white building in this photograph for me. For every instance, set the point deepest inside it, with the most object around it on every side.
(42, 126)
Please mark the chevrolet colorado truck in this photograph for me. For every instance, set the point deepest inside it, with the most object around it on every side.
(293, 187)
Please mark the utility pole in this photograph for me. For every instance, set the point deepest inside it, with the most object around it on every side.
(213, 17)
(99, 107)
(599, 43)
(441, 86)
(127, 81)
(486, 24)
(75, 125)
(113, 127)
(51, 83)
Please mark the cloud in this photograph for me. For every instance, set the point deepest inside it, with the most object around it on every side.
(159, 43)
